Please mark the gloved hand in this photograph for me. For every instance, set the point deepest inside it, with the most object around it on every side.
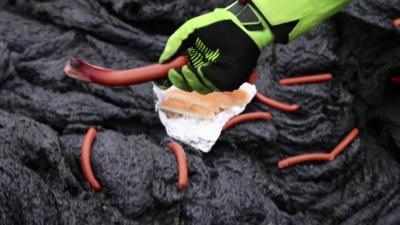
(222, 52)
(223, 46)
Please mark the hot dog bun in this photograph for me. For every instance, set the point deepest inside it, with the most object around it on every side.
(196, 105)
(186, 109)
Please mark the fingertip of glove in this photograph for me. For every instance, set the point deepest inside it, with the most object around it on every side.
(186, 69)
(172, 71)
(161, 61)
(163, 58)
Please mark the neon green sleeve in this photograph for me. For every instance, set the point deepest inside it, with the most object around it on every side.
(310, 13)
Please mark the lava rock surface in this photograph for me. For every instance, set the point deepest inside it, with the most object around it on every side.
(44, 116)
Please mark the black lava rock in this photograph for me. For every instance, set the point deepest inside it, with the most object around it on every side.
(44, 116)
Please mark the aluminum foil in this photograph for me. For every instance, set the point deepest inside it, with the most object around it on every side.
(201, 134)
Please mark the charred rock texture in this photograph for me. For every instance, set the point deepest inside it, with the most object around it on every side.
(44, 115)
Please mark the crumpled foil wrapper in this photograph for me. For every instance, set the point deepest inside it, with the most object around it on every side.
(201, 134)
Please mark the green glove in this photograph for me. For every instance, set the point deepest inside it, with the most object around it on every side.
(223, 46)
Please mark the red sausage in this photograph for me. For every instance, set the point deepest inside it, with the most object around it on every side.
(396, 80)
(247, 117)
(306, 79)
(345, 142)
(262, 98)
(82, 70)
(86, 164)
(396, 22)
(320, 156)
(278, 105)
(303, 158)
(182, 163)
(253, 77)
